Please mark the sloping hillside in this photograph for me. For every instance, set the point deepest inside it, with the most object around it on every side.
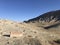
(15, 33)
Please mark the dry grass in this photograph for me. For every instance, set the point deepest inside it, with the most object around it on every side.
(31, 34)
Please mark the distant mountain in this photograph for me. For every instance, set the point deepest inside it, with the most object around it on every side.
(46, 19)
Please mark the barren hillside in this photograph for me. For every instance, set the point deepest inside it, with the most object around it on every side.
(43, 30)
(15, 33)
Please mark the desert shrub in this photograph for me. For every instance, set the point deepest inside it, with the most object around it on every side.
(23, 30)
(7, 42)
(16, 25)
(57, 41)
(17, 42)
(35, 32)
(12, 23)
(29, 36)
(27, 41)
(34, 41)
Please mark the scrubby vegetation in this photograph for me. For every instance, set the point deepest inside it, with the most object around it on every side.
(27, 41)
(57, 41)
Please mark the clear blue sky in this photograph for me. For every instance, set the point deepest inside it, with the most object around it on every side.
(20, 10)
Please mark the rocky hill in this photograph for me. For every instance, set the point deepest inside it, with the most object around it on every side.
(49, 19)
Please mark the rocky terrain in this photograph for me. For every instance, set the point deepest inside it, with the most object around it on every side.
(42, 30)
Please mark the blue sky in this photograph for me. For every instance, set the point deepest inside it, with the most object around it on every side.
(20, 10)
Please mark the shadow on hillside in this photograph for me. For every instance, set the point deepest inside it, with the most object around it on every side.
(52, 26)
